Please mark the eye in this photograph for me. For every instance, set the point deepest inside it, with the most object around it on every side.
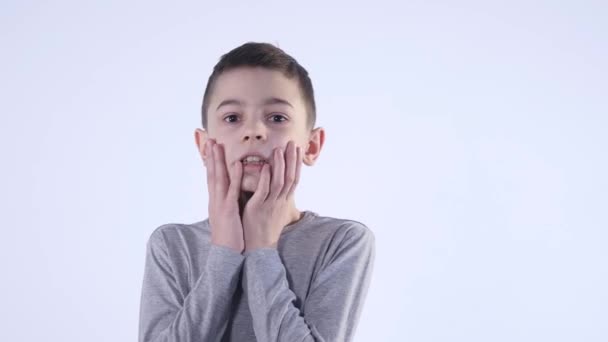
(278, 116)
(230, 116)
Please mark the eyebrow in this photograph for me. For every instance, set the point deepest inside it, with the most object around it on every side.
(268, 101)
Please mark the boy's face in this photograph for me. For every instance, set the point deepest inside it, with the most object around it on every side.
(253, 111)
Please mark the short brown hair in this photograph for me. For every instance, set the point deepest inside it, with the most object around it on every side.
(265, 55)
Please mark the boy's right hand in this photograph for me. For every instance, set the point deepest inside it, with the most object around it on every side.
(224, 186)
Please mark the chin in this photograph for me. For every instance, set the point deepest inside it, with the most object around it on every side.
(249, 183)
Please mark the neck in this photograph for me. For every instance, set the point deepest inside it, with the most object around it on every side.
(294, 213)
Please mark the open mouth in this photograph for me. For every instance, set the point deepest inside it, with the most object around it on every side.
(253, 161)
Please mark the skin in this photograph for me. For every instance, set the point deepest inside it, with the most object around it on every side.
(277, 131)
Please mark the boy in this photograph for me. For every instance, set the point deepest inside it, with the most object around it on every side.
(258, 269)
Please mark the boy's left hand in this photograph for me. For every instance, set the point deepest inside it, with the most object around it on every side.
(266, 213)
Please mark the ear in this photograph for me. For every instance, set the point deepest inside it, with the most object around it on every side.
(200, 137)
(315, 143)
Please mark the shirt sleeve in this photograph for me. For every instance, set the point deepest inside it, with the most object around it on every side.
(333, 305)
(165, 315)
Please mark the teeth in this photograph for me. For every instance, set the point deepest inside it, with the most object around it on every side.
(253, 159)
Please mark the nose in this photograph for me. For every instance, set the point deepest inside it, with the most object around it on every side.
(258, 137)
(254, 131)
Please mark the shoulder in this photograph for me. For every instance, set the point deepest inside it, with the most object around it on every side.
(170, 234)
(346, 244)
(346, 228)
(344, 234)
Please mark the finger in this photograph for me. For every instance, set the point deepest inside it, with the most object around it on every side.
(236, 174)
(261, 192)
(221, 174)
(204, 152)
(278, 174)
(296, 178)
(290, 159)
(210, 171)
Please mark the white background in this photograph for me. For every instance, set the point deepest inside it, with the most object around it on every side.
(469, 136)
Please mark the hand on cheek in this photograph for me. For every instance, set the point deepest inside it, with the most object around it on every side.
(223, 183)
(267, 211)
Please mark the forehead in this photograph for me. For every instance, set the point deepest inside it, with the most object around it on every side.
(253, 85)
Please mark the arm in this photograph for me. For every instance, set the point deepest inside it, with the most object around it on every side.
(334, 303)
(204, 313)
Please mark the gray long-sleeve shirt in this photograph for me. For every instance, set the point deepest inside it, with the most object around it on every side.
(312, 287)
